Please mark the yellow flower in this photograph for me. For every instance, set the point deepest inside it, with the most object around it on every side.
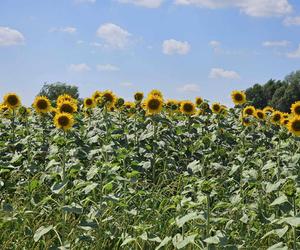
(198, 101)
(238, 97)
(284, 121)
(97, 94)
(246, 121)
(294, 125)
(153, 105)
(12, 100)
(23, 111)
(4, 110)
(64, 98)
(216, 108)
(295, 108)
(249, 111)
(268, 110)
(42, 105)
(67, 107)
(259, 114)
(172, 104)
(156, 93)
(109, 98)
(138, 96)
(89, 103)
(187, 108)
(63, 121)
(276, 117)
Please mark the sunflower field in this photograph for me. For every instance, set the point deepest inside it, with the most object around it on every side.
(104, 173)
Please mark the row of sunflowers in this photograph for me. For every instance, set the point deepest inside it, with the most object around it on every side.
(66, 107)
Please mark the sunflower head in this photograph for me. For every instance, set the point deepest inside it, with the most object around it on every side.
(198, 101)
(268, 110)
(153, 105)
(4, 110)
(187, 108)
(42, 105)
(249, 111)
(97, 94)
(172, 104)
(259, 114)
(285, 121)
(246, 121)
(156, 93)
(23, 111)
(294, 125)
(238, 97)
(64, 98)
(89, 103)
(64, 121)
(119, 102)
(67, 107)
(108, 98)
(276, 117)
(295, 108)
(205, 106)
(216, 108)
(138, 96)
(12, 100)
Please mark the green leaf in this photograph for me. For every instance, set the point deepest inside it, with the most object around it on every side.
(57, 187)
(212, 240)
(185, 241)
(90, 187)
(278, 246)
(164, 242)
(293, 221)
(191, 216)
(41, 231)
(279, 200)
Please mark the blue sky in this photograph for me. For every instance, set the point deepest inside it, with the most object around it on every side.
(186, 48)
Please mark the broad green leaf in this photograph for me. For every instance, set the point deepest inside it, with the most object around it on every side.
(278, 246)
(212, 240)
(57, 187)
(191, 216)
(41, 231)
(279, 200)
(90, 187)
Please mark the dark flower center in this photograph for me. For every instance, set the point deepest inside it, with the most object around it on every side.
(42, 104)
(187, 107)
(63, 121)
(67, 108)
(238, 97)
(12, 100)
(154, 104)
(296, 125)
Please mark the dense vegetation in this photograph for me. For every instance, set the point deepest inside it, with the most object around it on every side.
(152, 174)
(279, 94)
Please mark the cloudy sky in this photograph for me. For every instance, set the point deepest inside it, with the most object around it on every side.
(186, 48)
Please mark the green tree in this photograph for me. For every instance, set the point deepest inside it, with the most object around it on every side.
(53, 90)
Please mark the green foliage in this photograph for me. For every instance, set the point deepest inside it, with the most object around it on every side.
(278, 94)
(53, 90)
(138, 182)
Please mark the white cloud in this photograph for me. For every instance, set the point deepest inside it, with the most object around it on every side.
(126, 84)
(9, 37)
(84, 1)
(107, 67)
(294, 54)
(289, 21)
(283, 43)
(113, 35)
(144, 3)
(189, 88)
(79, 68)
(69, 30)
(216, 45)
(172, 46)
(222, 73)
(255, 8)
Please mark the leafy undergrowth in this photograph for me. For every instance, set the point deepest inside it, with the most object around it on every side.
(148, 182)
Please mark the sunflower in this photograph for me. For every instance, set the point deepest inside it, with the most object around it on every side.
(205, 106)
(4, 110)
(198, 101)
(268, 110)
(67, 107)
(249, 111)
(153, 104)
(216, 108)
(42, 105)
(295, 108)
(109, 98)
(187, 108)
(23, 111)
(156, 93)
(119, 102)
(138, 96)
(238, 97)
(285, 121)
(276, 117)
(64, 121)
(89, 103)
(259, 114)
(97, 94)
(294, 125)
(246, 121)
(12, 100)
(64, 98)
(200, 112)
(172, 104)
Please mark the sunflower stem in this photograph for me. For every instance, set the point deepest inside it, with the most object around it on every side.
(294, 228)
(154, 151)
(64, 180)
